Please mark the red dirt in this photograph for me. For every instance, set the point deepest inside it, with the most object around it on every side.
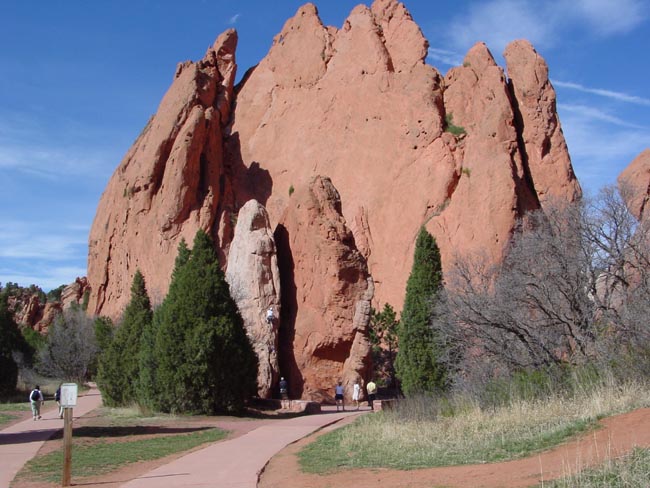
(618, 435)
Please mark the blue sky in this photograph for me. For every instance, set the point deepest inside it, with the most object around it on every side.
(79, 80)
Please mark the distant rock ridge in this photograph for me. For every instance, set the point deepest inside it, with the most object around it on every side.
(634, 182)
(465, 155)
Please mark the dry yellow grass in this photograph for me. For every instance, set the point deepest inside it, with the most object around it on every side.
(411, 439)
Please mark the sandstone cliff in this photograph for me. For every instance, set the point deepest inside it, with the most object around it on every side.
(635, 185)
(326, 295)
(169, 184)
(465, 155)
(254, 280)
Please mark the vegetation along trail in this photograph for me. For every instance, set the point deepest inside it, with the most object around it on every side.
(617, 436)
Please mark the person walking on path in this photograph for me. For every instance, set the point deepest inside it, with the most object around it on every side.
(284, 392)
(36, 400)
(371, 388)
(356, 392)
(57, 399)
(339, 396)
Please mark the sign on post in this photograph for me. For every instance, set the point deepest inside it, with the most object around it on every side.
(68, 401)
(69, 395)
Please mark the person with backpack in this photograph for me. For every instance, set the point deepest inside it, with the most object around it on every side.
(371, 388)
(284, 393)
(36, 400)
(57, 399)
(339, 396)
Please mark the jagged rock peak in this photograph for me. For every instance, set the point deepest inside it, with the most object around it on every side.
(169, 184)
(634, 183)
(544, 147)
(479, 58)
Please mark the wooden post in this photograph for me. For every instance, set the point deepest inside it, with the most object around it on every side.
(67, 447)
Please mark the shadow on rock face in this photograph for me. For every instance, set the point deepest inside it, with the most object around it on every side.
(288, 366)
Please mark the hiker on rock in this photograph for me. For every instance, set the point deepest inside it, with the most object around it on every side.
(270, 316)
(36, 400)
(339, 391)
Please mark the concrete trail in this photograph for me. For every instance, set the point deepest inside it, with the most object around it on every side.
(20, 442)
(235, 463)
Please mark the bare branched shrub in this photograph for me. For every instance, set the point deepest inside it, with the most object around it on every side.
(71, 347)
(573, 288)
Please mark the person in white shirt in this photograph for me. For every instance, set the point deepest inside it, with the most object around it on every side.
(36, 400)
(270, 316)
(356, 393)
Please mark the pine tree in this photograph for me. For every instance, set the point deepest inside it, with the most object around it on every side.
(417, 366)
(205, 361)
(119, 366)
(9, 338)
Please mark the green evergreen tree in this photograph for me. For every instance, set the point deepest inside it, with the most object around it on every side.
(384, 328)
(9, 342)
(104, 331)
(417, 366)
(148, 394)
(205, 362)
(119, 365)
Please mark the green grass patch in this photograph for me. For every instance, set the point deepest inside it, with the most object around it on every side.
(97, 458)
(339, 449)
(631, 471)
(5, 419)
(429, 432)
(14, 407)
(451, 128)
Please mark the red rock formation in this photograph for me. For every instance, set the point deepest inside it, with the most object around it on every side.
(167, 186)
(360, 105)
(254, 280)
(488, 190)
(545, 150)
(30, 312)
(634, 182)
(74, 292)
(326, 294)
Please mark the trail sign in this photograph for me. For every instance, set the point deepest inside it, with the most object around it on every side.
(69, 395)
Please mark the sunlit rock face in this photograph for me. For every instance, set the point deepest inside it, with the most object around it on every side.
(465, 155)
(326, 295)
(254, 280)
(634, 182)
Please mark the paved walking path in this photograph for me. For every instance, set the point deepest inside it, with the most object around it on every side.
(238, 462)
(234, 463)
(20, 442)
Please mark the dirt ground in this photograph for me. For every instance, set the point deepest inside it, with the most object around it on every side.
(617, 436)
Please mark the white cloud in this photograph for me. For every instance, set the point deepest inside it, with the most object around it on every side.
(447, 58)
(599, 150)
(52, 162)
(621, 97)
(606, 17)
(544, 22)
(499, 22)
(36, 240)
(47, 278)
(596, 114)
(29, 146)
(233, 20)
